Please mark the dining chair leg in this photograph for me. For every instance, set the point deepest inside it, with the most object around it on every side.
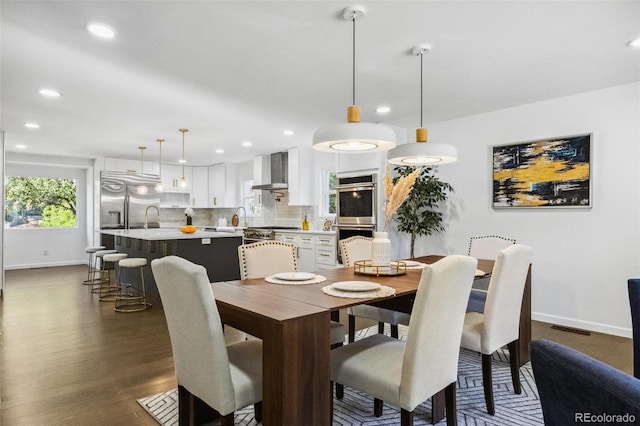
(184, 406)
(377, 407)
(331, 402)
(487, 381)
(406, 417)
(228, 420)
(339, 391)
(394, 331)
(514, 361)
(450, 404)
(380, 328)
(257, 411)
(352, 328)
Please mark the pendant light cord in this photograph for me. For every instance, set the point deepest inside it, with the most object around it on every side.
(354, 61)
(421, 89)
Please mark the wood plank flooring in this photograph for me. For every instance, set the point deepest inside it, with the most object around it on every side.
(68, 359)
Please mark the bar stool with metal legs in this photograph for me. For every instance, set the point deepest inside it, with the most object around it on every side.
(108, 290)
(90, 272)
(100, 274)
(131, 296)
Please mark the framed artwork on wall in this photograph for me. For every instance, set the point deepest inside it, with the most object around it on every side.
(546, 173)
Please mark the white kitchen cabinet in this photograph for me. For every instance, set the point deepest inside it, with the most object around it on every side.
(305, 247)
(200, 187)
(130, 166)
(358, 162)
(326, 247)
(171, 175)
(223, 186)
(301, 174)
(262, 175)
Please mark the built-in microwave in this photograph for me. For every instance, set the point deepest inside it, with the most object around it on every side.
(356, 200)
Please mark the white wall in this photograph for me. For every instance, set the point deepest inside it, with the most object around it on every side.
(582, 258)
(25, 248)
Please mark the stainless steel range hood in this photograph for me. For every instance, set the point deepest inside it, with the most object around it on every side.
(279, 173)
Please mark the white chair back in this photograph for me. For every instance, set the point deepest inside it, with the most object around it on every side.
(355, 248)
(501, 323)
(264, 258)
(487, 247)
(197, 340)
(435, 329)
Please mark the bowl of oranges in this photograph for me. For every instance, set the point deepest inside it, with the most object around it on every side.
(188, 229)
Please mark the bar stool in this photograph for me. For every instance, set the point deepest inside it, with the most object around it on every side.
(90, 273)
(99, 270)
(109, 290)
(130, 296)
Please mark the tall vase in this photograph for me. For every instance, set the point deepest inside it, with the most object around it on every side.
(189, 220)
(381, 249)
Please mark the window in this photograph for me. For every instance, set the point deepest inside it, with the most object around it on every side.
(36, 202)
(250, 199)
(328, 192)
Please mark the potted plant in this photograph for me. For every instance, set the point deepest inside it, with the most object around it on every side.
(418, 215)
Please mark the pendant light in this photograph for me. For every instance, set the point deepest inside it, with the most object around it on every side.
(159, 185)
(354, 136)
(142, 188)
(183, 180)
(422, 153)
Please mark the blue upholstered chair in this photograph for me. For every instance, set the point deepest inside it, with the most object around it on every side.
(634, 301)
(573, 386)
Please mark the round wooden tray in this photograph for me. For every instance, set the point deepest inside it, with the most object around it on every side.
(364, 267)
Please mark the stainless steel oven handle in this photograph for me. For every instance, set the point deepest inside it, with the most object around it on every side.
(358, 187)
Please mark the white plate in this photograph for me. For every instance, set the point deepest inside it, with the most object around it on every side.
(294, 276)
(409, 263)
(356, 286)
(480, 273)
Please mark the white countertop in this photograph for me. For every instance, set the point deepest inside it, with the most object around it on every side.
(166, 234)
(300, 231)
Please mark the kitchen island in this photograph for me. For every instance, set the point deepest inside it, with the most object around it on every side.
(216, 251)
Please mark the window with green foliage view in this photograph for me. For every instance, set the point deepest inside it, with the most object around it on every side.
(32, 202)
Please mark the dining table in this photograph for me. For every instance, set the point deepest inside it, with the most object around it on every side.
(293, 323)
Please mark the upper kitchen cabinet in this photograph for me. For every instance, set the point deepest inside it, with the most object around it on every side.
(223, 186)
(301, 173)
(171, 175)
(262, 176)
(200, 187)
(130, 166)
(357, 162)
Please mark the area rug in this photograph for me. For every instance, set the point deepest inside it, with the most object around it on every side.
(356, 408)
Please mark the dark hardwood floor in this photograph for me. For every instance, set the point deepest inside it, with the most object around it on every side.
(68, 359)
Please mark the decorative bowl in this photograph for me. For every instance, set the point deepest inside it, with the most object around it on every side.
(188, 229)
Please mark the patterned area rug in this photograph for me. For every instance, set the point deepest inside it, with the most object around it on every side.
(356, 408)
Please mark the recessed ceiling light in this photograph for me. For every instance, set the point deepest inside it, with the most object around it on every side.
(50, 93)
(383, 109)
(246, 143)
(20, 146)
(288, 132)
(634, 43)
(32, 125)
(219, 151)
(101, 30)
(182, 161)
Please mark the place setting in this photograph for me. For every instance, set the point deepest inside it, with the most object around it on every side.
(358, 289)
(295, 278)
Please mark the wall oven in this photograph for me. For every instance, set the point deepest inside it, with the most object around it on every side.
(356, 200)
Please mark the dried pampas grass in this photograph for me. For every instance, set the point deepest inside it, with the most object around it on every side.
(398, 193)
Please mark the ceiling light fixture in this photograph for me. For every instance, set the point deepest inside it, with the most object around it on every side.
(183, 180)
(288, 132)
(142, 188)
(101, 30)
(634, 43)
(159, 186)
(422, 153)
(383, 109)
(50, 93)
(354, 136)
(32, 125)
(21, 146)
(246, 143)
(219, 151)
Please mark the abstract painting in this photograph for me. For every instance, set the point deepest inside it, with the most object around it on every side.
(545, 173)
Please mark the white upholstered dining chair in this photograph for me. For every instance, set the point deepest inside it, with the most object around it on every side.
(499, 325)
(484, 247)
(359, 248)
(265, 258)
(406, 373)
(226, 378)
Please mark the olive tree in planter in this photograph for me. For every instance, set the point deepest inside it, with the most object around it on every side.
(418, 215)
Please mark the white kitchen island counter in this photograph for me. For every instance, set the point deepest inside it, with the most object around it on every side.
(158, 234)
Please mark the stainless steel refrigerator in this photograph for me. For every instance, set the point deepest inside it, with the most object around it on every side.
(123, 205)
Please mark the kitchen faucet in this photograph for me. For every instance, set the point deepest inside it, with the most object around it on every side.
(146, 212)
(245, 215)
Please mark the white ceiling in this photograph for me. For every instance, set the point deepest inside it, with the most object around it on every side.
(231, 71)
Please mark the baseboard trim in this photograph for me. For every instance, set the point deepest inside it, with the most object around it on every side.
(45, 265)
(584, 325)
